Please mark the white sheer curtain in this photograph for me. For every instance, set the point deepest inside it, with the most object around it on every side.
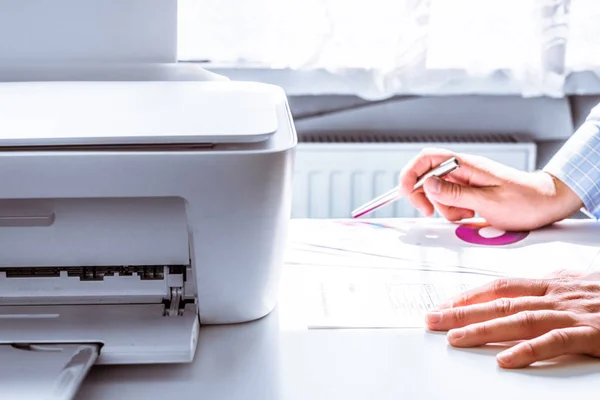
(403, 46)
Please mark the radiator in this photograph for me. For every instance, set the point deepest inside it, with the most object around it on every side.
(334, 174)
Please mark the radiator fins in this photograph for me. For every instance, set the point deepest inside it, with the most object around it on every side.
(390, 138)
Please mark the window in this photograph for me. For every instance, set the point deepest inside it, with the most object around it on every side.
(406, 46)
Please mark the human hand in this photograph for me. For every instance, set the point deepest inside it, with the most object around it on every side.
(551, 317)
(505, 197)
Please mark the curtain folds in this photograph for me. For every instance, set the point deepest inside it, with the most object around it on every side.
(403, 46)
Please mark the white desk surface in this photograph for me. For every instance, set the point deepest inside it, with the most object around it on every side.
(258, 361)
(274, 359)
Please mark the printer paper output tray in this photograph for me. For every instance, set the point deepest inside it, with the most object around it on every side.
(47, 351)
(126, 333)
(44, 372)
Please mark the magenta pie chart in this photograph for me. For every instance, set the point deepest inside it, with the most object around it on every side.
(483, 234)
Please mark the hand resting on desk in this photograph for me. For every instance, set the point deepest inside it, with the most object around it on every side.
(505, 197)
(549, 317)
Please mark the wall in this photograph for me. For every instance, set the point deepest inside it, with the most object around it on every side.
(547, 122)
(536, 118)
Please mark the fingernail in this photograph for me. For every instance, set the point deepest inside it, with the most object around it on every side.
(434, 317)
(505, 357)
(456, 333)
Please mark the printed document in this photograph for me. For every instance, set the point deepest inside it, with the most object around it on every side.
(390, 273)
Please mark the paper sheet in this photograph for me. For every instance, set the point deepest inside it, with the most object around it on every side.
(389, 273)
(367, 298)
(440, 244)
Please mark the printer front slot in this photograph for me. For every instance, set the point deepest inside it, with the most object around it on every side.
(151, 272)
(170, 285)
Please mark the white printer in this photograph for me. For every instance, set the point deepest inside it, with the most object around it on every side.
(131, 213)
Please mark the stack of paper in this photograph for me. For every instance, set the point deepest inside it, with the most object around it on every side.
(389, 273)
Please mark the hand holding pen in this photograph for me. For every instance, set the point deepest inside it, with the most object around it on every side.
(440, 171)
(505, 197)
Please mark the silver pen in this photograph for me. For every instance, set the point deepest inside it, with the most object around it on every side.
(440, 171)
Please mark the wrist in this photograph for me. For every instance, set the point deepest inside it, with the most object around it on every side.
(564, 202)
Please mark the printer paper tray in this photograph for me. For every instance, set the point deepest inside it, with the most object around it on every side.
(44, 372)
(126, 333)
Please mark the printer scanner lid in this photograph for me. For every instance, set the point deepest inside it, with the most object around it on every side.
(136, 113)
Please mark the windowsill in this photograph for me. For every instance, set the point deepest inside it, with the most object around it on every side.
(361, 82)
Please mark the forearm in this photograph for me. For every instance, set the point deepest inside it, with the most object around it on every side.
(577, 163)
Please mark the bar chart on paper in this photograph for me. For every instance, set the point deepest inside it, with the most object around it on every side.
(411, 301)
(377, 299)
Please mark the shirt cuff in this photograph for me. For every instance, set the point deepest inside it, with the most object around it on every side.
(577, 165)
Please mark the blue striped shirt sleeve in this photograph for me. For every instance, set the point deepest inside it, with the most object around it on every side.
(577, 163)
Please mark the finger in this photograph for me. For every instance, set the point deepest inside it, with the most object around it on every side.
(459, 317)
(472, 169)
(456, 179)
(556, 343)
(420, 165)
(591, 276)
(521, 326)
(452, 194)
(420, 202)
(499, 288)
(452, 213)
